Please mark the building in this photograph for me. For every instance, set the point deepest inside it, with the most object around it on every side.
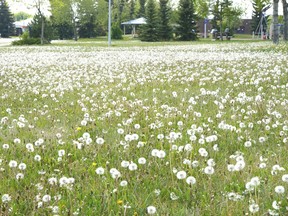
(22, 26)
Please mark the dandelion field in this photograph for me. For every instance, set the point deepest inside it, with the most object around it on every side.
(169, 130)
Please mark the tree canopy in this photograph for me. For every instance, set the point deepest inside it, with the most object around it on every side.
(6, 20)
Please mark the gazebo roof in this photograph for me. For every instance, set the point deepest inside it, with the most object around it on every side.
(138, 21)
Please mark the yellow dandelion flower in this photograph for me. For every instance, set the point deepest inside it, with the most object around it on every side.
(78, 128)
(94, 164)
(119, 202)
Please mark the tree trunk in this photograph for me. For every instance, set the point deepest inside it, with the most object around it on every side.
(285, 16)
(275, 22)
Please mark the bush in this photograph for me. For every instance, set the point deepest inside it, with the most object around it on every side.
(116, 32)
(26, 40)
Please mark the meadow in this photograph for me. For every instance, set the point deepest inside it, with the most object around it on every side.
(192, 129)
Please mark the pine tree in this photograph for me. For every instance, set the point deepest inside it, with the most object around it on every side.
(6, 20)
(36, 26)
(149, 31)
(132, 10)
(165, 30)
(141, 12)
(187, 21)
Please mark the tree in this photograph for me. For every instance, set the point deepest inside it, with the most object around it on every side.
(231, 17)
(285, 16)
(132, 10)
(225, 15)
(202, 8)
(141, 11)
(40, 6)
(258, 13)
(275, 22)
(6, 20)
(36, 29)
(186, 21)
(216, 15)
(62, 18)
(150, 29)
(21, 16)
(165, 29)
(86, 14)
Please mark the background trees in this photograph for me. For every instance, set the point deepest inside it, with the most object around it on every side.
(258, 6)
(186, 29)
(150, 30)
(165, 29)
(285, 17)
(6, 20)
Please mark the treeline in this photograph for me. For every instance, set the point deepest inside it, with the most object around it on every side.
(71, 19)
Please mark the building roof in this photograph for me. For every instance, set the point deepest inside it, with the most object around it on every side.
(22, 23)
(138, 21)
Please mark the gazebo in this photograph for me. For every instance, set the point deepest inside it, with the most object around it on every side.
(139, 21)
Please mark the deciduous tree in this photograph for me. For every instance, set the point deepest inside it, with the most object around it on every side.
(285, 16)
(275, 22)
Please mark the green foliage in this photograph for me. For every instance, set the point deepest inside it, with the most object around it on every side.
(116, 32)
(88, 29)
(26, 40)
(63, 30)
(225, 15)
(6, 20)
(141, 11)
(21, 16)
(216, 15)
(35, 28)
(165, 29)
(202, 8)
(187, 28)
(258, 6)
(149, 31)
(132, 10)
(178, 104)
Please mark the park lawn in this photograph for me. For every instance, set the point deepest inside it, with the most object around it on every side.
(165, 129)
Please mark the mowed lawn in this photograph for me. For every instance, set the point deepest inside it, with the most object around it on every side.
(169, 129)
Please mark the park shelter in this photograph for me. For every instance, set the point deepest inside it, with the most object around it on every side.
(134, 23)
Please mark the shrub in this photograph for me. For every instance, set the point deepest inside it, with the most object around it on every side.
(116, 32)
(26, 40)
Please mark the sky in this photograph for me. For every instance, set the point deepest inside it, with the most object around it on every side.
(25, 5)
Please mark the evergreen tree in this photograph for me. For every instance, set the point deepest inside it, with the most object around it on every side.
(187, 21)
(6, 20)
(149, 31)
(258, 6)
(88, 29)
(36, 26)
(141, 12)
(165, 30)
(132, 10)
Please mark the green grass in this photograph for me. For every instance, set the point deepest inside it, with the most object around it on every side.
(129, 41)
(200, 88)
